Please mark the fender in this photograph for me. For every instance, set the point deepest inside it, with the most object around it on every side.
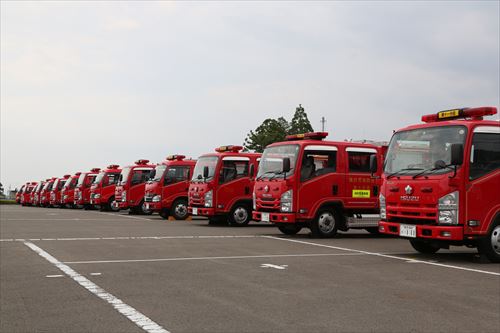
(247, 202)
(326, 202)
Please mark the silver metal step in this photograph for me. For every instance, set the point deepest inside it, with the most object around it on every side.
(364, 221)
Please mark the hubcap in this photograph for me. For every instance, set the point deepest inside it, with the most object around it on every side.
(326, 222)
(181, 210)
(495, 239)
(240, 215)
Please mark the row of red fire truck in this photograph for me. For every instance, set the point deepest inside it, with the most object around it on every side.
(435, 184)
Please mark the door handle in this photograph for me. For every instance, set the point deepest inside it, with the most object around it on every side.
(247, 190)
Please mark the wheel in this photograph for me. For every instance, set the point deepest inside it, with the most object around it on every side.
(372, 230)
(490, 245)
(180, 209)
(239, 216)
(111, 205)
(164, 213)
(145, 211)
(423, 246)
(289, 229)
(326, 224)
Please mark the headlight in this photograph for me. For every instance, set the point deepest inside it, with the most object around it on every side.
(287, 202)
(209, 196)
(383, 211)
(124, 196)
(156, 198)
(65, 197)
(97, 196)
(448, 209)
(254, 200)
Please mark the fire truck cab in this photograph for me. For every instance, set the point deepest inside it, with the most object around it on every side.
(102, 191)
(19, 193)
(26, 194)
(129, 191)
(55, 194)
(166, 191)
(68, 191)
(222, 184)
(325, 186)
(45, 192)
(82, 190)
(36, 194)
(441, 182)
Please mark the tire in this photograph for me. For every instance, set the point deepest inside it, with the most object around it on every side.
(164, 213)
(423, 246)
(490, 245)
(180, 209)
(372, 230)
(325, 225)
(239, 215)
(145, 211)
(289, 229)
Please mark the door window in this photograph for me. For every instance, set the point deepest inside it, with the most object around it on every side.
(485, 154)
(176, 174)
(359, 161)
(232, 170)
(317, 162)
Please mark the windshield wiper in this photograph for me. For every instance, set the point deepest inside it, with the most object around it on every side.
(431, 170)
(406, 169)
(265, 173)
(276, 174)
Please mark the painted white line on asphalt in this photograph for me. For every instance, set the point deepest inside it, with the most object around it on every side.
(386, 256)
(127, 216)
(213, 258)
(7, 240)
(54, 276)
(132, 314)
(95, 274)
(273, 266)
(68, 219)
(128, 238)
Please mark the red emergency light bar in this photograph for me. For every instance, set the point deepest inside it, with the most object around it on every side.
(473, 113)
(230, 148)
(113, 166)
(142, 162)
(78, 173)
(175, 157)
(66, 176)
(310, 136)
(95, 170)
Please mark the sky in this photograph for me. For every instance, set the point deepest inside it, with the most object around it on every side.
(86, 84)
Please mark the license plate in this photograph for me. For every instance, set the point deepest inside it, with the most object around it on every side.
(195, 211)
(264, 217)
(406, 230)
(91, 201)
(147, 205)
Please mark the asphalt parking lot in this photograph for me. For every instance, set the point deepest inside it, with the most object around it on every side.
(87, 271)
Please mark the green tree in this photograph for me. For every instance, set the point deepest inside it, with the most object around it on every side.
(300, 123)
(274, 130)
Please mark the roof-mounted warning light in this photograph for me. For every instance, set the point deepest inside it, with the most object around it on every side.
(78, 173)
(175, 157)
(66, 176)
(472, 113)
(113, 166)
(307, 136)
(95, 170)
(142, 162)
(231, 148)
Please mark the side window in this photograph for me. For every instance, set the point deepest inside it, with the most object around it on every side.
(485, 154)
(136, 177)
(316, 163)
(359, 161)
(113, 178)
(232, 170)
(176, 174)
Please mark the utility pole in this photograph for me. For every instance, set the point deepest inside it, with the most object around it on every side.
(323, 121)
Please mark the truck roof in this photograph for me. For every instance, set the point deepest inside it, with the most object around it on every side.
(329, 143)
(461, 122)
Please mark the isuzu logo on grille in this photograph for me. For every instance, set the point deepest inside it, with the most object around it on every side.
(408, 190)
(266, 188)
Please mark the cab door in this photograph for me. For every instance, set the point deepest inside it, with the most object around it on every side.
(234, 182)
(138, 185)
(319, 177)
(175, 184)
(361, 189)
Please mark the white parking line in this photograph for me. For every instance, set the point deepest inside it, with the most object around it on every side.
(213, 258)
(54, 276)
(132, 314)
(385, 256)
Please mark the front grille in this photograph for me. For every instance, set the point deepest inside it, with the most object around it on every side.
(148, 198)
(412, 213)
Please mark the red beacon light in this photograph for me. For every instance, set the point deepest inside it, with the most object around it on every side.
(472, 113)
(231, 148)
(113, 166)
(78, 173)
(66, 176)
(142, 162)
(175, 157)
(95, 170)
(309, 136)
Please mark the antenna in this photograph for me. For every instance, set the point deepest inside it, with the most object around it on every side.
(323, 122)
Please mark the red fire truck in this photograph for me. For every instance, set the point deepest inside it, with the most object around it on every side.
(36, 193)
(55, 194)
(68, 191)
(82, 190)
(325, 186)
(441, 182)
(167, 189)
(102, 191)
(129, 191)
(26, 194)
(19, 193)
(222, 184)
(45, 192)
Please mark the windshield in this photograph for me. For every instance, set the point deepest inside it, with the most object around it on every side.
(124, 176)
(411, 152)
(48, 186)
(99, 177)
(68, 182)
(54, 185)
(81, 179)
(271, 163)
(158, 173)
(207, 161)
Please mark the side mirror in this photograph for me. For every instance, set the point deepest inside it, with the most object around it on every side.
(252, 170)
(373, 164)
(152, 174)
(457, 154)
(286, 165)
(205, 172)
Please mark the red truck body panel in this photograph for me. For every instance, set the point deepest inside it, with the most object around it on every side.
(55, 194)
(129, 191)
(82, 189)
(68, 191)
(45, 192)
(102, 191)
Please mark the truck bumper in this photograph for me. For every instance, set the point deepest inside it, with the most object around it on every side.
(446, 233)
(201, 211)
(273, 217)
(153, 206)
(121, 205)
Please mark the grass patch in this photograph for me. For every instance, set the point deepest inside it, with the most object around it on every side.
(7, 202)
